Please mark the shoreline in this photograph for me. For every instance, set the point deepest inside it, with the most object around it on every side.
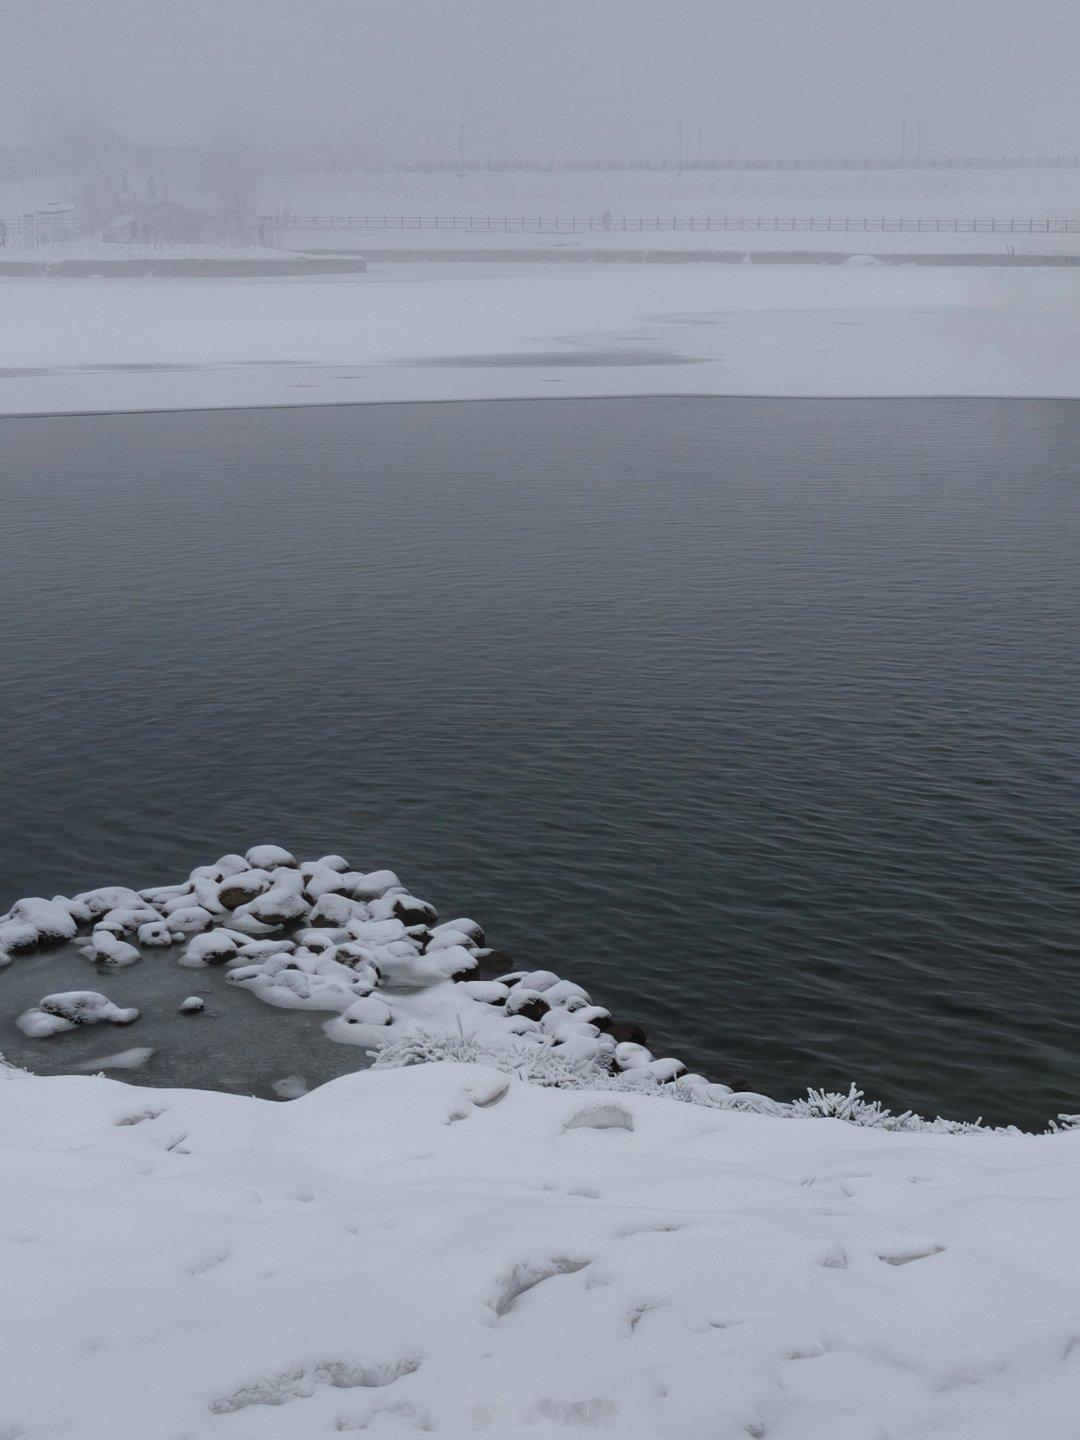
(320, 936)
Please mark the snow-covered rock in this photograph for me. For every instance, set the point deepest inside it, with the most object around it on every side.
(269, 857)
(69, 1008)
(155, 933)
(107, 949)
(52, 921)
(215, 947)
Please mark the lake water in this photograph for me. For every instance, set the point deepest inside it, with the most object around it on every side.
(760, 718)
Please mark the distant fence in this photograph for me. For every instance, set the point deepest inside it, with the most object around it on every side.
(578, 224)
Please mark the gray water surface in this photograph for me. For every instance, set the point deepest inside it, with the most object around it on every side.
(760, 718)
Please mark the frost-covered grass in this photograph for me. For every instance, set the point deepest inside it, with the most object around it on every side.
(547, 1068)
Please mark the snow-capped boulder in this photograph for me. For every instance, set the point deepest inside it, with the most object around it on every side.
(189, 920)
(107, 949)
(279, 906)
(375, 884)
(237, 890)
(269, 857)
(70, 1008)
(108, 897)
(18, 937)
(529, 1003)
(127, 919)
(369, 1010)
(53, 922)
(215, 947)
(460, 926)
(335, 909)
(406, 908)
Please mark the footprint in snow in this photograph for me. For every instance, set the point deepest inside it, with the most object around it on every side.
(527, 1276)
(905, 1254)
(601, 1117)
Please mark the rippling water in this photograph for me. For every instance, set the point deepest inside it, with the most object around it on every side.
(760, 718)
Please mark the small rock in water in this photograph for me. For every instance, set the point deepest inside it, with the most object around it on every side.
(368, 1010)
(133, 1059)
(155, 932)
(214, 948)
(18, 937)
(291, 1087)
(628, 1032)
(193, 1005)
(528, 1003)
(106, 948)
(333, 862)
(52, 922)
(239, 889)
(70, 1008)
(375, 885)
(189, 919)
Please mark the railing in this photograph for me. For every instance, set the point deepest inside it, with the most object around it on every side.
(619, 224)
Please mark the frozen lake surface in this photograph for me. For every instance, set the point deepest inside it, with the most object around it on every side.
(761, 719)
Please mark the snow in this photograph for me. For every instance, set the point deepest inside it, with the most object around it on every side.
(519, 1222)
(445, 1249)
(1031, 191)
(428, 332)
(69, 1008)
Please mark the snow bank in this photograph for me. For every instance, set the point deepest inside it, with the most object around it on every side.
(444, 1249)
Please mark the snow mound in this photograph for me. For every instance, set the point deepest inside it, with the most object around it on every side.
(445, 1249)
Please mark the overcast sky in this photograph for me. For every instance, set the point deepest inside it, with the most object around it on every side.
(561, 77)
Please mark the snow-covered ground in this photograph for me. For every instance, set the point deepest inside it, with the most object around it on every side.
(489, 328)
(444, 332)
(911, 192)
(446, 1250)
(437, 236)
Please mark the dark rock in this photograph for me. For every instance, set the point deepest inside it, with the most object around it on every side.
(528, 1005)
(490, 964)
(625, 1032)
(411, 911)
(239, 890)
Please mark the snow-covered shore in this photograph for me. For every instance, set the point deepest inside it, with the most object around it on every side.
(542, 1229)
(446, 1250)
(321, 936)
(429, 332)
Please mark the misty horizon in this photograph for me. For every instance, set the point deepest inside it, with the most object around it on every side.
(488, 84)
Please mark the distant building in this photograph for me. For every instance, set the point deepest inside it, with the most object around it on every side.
(53, 222)
(158, 222)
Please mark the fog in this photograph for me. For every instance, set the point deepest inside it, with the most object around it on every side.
(563, 78)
